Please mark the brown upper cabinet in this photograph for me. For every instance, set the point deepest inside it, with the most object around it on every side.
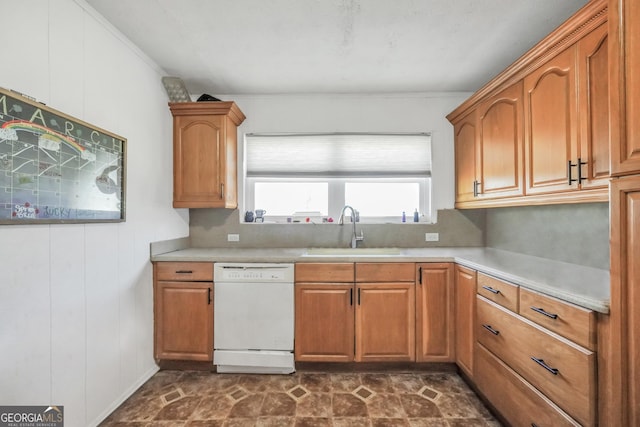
(465, 153)
(567, 119)
(500, 147)
(489, 148)
(624, 27)
(593, 93)
(552, 127)
(205, 154)
(538, 132)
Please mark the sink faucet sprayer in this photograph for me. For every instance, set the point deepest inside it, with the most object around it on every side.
(354, 238)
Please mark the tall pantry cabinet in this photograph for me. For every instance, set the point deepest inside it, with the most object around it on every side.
(621, 391)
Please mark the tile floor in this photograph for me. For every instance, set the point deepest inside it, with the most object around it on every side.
(303, 399)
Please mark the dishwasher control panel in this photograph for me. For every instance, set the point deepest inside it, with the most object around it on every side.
(253, 272)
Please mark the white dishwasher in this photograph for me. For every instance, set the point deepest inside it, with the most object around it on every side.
(253, 318)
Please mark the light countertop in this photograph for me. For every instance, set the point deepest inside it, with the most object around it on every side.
(584, 286)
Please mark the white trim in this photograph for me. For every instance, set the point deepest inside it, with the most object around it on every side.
(124, 396)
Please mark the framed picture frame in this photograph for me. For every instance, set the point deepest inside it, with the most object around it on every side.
(55, 168)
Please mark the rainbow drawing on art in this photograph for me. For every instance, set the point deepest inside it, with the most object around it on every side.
(48, 138)
(41, 130)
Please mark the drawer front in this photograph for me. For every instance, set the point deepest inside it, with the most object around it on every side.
(564, 371)
(385, 272)
(184, 271)
(575, 323)
(324, 272)
(516, 400)
(500, 292)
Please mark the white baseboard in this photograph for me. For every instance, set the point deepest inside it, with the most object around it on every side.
(124, 396)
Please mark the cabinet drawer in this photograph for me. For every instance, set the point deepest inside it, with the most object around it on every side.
(500, 292)
(569, 376)
(185, 271)
(385, 272)
(324, 272)
(516, 400)
(575, 323)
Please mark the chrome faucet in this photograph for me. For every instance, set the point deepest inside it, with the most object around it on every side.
(354, 238)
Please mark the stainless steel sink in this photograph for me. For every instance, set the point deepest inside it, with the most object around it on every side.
(352, 252)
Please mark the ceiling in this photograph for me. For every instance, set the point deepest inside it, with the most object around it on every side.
(334, 46)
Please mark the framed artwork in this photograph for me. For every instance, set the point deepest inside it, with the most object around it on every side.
(55, 168)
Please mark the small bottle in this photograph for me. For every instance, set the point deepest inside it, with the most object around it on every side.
(416, 216)
(404, 217)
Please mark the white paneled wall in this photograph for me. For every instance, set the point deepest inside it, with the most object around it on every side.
(76, 308)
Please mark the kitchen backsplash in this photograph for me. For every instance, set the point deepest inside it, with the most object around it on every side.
(576, 233)
(209, 228)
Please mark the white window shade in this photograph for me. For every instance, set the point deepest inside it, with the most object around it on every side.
(338, 155)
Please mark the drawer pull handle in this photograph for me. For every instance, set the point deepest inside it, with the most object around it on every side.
(545, 313)
(490, 289)
(569, 166)
(490, 329)
(540, 362)
(184, 271)
(534, 425)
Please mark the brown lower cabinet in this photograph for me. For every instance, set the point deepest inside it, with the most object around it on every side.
(344, 320)
(465, 309)
(385, 322)
(324, 328)
(183, 311)
(435, 316)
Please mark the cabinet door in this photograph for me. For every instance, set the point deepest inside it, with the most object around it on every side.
(465, 309)
(593, 66)
(184, 320)
(324, 328)
(624, 72)
(501, 145)
(434, 313)
(199, 157)
(551, 127)
(385, 322)
(465, 153)
(621, 390)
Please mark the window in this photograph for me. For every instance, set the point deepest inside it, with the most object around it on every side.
(380, 175)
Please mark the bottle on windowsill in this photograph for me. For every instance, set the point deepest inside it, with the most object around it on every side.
(404, 217)
(416, 216)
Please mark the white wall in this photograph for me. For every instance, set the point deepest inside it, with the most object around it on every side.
(410, 112)
(76, 320)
